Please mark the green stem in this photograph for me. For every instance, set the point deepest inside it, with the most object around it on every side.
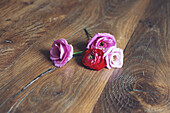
(88, 33)
(77, 52)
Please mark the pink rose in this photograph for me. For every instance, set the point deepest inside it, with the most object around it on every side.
(114, 57)
(102, 41)
(61, 52)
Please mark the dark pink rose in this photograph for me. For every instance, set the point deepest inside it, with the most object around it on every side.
(102, 41)
(61, 52)
(114, 57)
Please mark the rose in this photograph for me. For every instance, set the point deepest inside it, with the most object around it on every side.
(114, 57)
(61, 52)
(93, 59)
(102, 41)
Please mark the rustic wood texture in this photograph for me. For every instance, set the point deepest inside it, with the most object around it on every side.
(30, 83)
(143, 84)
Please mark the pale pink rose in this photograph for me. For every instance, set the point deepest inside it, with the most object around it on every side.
(61, 52)
(114, 57)
(102, 41)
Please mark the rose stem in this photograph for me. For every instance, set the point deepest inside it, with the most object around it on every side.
(88, 33)
(77, 52)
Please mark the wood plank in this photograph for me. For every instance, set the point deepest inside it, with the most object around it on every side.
(142, 85)
(20, 26)
(33, 84)
(23, 22)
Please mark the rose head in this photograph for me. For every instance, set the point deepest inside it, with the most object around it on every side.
(114, 57)
(93, 59)
(102, 41)
(61, 52)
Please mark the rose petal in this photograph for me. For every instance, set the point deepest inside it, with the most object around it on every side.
(107, 39)
(62, 51)
(70, 49)
(92, 40)
(54, 51)
(68, 54)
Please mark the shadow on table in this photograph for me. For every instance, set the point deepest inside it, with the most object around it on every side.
(46, 54)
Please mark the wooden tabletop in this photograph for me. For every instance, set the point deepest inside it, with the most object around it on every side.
(30, 83)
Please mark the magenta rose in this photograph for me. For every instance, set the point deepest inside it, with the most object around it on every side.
(61, 52)
(102, 41)
(114, 57)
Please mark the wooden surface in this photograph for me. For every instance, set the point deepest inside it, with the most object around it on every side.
(30, 83)
(142, 85)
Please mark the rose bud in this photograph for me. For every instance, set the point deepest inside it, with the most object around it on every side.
(93, 59)
(102, 41)
(61, 52)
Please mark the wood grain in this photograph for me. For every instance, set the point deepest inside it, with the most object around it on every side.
(29, 81)
(142, 85)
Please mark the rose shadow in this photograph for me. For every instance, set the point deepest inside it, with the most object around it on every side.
(46, 54)
(81, 47)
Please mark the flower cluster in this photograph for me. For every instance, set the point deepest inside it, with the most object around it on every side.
(100, 52)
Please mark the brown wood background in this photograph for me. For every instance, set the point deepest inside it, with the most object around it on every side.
(30, 83)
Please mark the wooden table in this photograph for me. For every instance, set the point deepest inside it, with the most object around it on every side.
(29, 82)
